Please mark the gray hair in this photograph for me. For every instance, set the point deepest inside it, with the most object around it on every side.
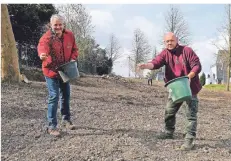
(56, 16)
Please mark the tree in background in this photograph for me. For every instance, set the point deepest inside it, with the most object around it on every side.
(153, 73)
(140, 51)
(174, 22)
(113, 49)
(155, 52)
(28, 21)
(9, 57)
(202, 79)
(91, 57)
(225, 48)
(104, 63)
(79, 21)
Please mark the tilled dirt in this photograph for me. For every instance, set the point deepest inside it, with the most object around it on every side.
(116, 121)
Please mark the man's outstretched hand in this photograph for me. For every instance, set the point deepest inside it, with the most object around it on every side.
(43, 56)
(145, 66)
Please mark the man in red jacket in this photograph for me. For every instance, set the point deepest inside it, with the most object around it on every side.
(56, 47)
(179, 61)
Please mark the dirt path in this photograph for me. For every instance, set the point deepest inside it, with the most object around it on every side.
(116, 121)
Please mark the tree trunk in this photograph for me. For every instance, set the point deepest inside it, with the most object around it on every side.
(229, 57)
(9, 57)
(20, 55)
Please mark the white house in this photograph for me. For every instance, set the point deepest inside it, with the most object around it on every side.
(218, 71)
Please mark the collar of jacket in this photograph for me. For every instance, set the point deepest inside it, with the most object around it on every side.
(173, 51)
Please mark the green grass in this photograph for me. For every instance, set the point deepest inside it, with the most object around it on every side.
(219, 87)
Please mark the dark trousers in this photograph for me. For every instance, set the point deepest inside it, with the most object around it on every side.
(149, 81)
(191, 116)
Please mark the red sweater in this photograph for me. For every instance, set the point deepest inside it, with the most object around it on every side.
(178, 63)
(59, 51)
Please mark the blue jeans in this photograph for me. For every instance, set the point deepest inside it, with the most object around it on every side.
(57, 88)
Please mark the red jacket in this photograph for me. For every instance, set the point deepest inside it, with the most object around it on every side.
(59, 51)
(180, 63)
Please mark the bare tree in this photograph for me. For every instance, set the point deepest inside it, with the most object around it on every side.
(224, 48)
(9, 57)
(153, 73)
(154, 53)
(141, 49)
(229, 62)
(113, 49)
(79, 21)
(175, 23)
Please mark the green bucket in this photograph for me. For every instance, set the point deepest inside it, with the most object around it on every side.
(179, 89)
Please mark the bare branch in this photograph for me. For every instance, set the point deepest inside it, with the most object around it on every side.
(223, 44)
(113, 48)
(141, 48)
(78, 20)
(175, 23)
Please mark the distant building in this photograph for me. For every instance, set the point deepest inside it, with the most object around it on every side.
(208, 80)
(219, 69)
(160, 74)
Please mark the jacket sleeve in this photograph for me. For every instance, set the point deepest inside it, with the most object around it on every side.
(43, 47)
(159, 60)
(194, 62)
(74, 52)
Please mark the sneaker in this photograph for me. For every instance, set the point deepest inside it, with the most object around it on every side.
(165, 135)
(188, 145)
(53, 132)
(68, 124)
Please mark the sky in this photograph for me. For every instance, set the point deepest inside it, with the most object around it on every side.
(121, 19)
